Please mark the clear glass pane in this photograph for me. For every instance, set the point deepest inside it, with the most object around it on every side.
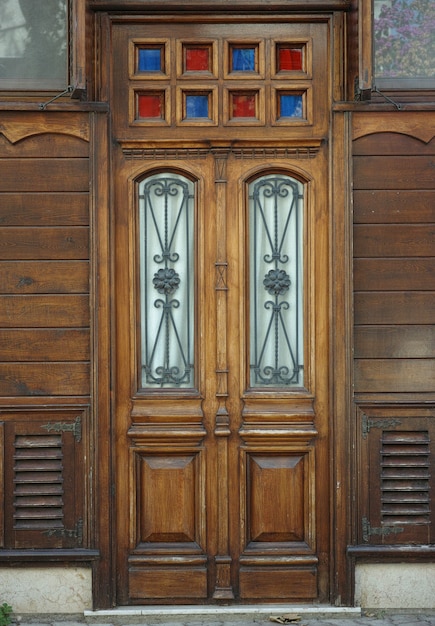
(166, 236)
(276, 273)
(33, 40)
(404, 38)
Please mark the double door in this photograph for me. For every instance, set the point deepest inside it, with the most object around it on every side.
(221, 398)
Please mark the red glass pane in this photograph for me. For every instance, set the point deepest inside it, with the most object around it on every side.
(150, 105)
(243, 105)
(289, 59)
(197, 60)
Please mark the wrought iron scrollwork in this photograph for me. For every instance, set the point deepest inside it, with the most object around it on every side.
(276, 355)
(167, 241)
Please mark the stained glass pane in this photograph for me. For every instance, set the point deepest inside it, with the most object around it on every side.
(243, 105)
(197, 106)
(276, 290)
(151, 105)
(242, 59)
(404, 38)
(197, 59)
(290, 105)
(289, 59)
(166, 235)
(150, 59)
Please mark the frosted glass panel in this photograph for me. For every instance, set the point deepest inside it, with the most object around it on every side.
(33, 41)
(166, 223)
(276, 273)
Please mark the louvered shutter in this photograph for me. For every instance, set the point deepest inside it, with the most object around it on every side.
(396, 475)
(44, 480)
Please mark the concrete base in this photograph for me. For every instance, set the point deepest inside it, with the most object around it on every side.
(43, 590)
(395, 585)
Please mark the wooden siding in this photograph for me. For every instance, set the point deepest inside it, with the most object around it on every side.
(44, 258)
(394, 264)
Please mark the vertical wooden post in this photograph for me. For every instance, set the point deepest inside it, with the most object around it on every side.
(223, 589)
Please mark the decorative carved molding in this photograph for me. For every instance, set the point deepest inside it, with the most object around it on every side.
(41, 124)
(248, 152)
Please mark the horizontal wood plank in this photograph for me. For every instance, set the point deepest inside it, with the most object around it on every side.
(44, 379)
(71, 311)
(65, 242)
(45, 344)
(394, 342)
(394, 375)
(396, 240)
(417, 274)
(37, 145)
(391, 144)
(44, 175)
(396, 307)
(44, 209)
(377, 206)
(398, 172)
(44, 277)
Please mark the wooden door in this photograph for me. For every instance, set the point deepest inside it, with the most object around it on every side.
(221, 311)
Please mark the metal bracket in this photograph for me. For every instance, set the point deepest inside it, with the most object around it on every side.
(384, 531)
(62, 427)
(368, 423)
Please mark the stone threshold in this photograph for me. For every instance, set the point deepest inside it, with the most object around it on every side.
(226, 613)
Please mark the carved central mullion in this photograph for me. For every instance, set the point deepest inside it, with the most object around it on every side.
(223, 589)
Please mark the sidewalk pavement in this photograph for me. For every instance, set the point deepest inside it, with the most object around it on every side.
(412, 617)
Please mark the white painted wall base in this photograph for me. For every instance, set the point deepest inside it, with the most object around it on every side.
(395, 586)
(46, 590)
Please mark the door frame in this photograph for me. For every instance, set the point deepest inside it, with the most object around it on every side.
(340, 283)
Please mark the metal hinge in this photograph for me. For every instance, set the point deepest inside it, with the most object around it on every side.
(367, 424)
(65, 533)
(62, 427)
(384, 531)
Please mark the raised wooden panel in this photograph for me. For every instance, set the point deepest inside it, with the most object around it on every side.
(45, 379)
(396, 240)
(399, 307)
(397, 504)
(44, 243)
(44, 277)
(44, 311)
(44, 209)
(399, 172)
(275, 583)
(394, 375)
(167, 498)
(379, 206)
(41, 344)
(417, 274)
(276, 501)
(406, 341)
(47, 175)
(159, 582)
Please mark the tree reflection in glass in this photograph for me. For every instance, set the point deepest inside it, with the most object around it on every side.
(33, 40)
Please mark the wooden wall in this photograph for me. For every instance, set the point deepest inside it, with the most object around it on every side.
(394, 326)
(44, 328)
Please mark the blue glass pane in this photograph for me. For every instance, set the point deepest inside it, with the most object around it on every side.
(197, 106)
(290, 105)
(150, 60)
(243, 59)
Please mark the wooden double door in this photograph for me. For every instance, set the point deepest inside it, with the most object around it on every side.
(221, 398)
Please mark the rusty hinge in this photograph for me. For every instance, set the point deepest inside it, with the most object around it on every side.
(65, 533)
(384, 531)
(62, 427)
(367, 424)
